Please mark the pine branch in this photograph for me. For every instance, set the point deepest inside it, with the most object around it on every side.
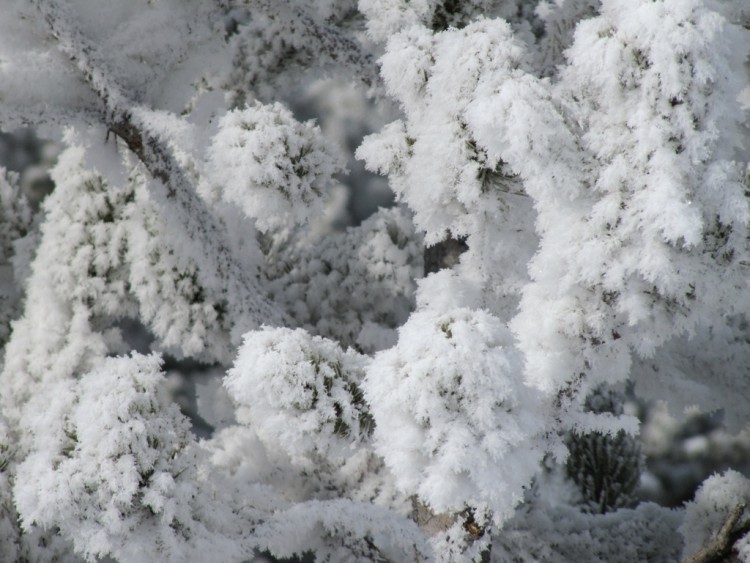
(329, 39)
(720, 547)
(173, 189)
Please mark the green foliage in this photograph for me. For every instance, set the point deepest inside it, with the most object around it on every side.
(606, 468)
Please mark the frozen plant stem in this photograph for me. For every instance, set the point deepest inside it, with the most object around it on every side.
(720, 547)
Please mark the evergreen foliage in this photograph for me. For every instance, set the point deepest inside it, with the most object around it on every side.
(435, 383)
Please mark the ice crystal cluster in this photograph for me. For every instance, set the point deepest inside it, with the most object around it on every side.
(202, 358)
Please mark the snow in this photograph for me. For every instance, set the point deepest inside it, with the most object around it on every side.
(589, 157)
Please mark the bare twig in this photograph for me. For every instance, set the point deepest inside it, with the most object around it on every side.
(719, 548)
(174, 189)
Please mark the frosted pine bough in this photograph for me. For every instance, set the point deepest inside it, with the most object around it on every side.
(588, 154)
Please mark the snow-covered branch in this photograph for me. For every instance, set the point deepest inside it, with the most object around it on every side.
(209, 351)
(176, 190)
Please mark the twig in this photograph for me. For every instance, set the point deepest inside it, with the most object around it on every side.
(720, 546)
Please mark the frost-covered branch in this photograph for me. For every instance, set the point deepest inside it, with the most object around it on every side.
(721, 545)
(176, 189)
(576, 171)
(326, 38)
(274, 43)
